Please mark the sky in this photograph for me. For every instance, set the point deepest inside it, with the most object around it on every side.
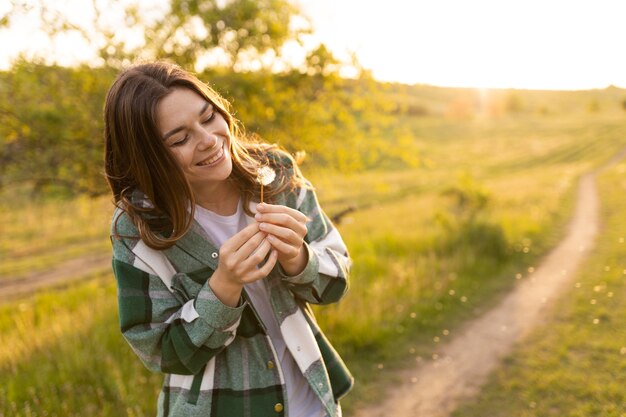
(537, 44)
(530, 44)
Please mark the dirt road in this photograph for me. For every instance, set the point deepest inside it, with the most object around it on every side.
(69, 271)
(435, 388)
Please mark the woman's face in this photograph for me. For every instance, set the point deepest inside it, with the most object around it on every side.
(197, 135)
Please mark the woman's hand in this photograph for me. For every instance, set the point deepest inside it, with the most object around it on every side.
(239, 260)
(285, 228)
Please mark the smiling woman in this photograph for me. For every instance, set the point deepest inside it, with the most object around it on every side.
(214, 288)
(199, 139)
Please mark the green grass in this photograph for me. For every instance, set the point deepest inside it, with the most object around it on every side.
(422, 265)
(39, 235)
(63, 355)
(574, 364)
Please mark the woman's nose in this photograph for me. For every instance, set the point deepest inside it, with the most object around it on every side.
(207, 140)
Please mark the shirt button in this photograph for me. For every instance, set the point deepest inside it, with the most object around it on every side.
(270, 365)
(278, 407)
(214, 255)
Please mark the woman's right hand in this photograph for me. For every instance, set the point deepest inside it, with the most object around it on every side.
(239, 261)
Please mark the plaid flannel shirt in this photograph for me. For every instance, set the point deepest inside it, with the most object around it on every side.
(218, 360)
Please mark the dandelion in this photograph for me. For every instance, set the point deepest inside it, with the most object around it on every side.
(265, 176)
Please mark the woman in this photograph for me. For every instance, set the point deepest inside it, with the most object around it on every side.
(213, 287)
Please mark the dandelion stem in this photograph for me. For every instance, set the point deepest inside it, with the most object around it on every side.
(261, 193)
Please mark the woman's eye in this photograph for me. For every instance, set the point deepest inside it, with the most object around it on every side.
(209, 119)
(181, 141)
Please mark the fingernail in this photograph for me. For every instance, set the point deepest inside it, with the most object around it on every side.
(257, 216)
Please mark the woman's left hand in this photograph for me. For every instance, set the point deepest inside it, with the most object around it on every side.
(286, 228)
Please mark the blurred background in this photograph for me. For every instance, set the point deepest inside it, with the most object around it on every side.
(444, 138)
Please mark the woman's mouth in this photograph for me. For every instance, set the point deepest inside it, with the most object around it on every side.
(213, 159)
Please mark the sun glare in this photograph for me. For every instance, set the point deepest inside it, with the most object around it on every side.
(536, 44)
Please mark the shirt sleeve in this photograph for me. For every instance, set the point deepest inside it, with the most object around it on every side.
(169, 331)
(325, 278)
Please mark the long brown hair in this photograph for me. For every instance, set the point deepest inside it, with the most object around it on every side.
(137, 160)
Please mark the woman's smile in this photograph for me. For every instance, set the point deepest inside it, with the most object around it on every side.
(213, 159)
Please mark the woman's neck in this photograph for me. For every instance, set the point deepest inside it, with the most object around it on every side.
(221, 198)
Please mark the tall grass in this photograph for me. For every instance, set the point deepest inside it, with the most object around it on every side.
(424, 261)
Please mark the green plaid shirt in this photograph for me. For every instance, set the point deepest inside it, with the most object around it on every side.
(219, 361)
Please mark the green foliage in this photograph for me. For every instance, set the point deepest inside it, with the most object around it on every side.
(51, 122)
(466, 223)
(185, 31)
(51, 128)
(193, 28)
(468, 198)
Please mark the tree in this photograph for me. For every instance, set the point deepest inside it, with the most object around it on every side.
(51, 127)
(238, 30)
(232, 32)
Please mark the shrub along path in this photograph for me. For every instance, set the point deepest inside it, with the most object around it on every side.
(457, 371)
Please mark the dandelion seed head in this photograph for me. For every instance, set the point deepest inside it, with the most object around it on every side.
(265, 175)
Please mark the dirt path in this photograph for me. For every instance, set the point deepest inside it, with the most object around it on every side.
(69, 271)
(437, 387)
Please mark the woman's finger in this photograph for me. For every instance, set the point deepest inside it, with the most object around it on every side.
(283, 247)
(256, 257)
(264, 270)
(286, 234)
(264, 208)
(250, 246)
(282, 219)
(240, 238)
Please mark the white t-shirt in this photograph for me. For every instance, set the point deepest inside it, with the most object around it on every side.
(301, 400)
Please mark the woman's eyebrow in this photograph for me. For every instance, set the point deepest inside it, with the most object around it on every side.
(179, 128)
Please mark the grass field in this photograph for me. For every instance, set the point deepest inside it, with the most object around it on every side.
(574, 365)
(432, 246)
